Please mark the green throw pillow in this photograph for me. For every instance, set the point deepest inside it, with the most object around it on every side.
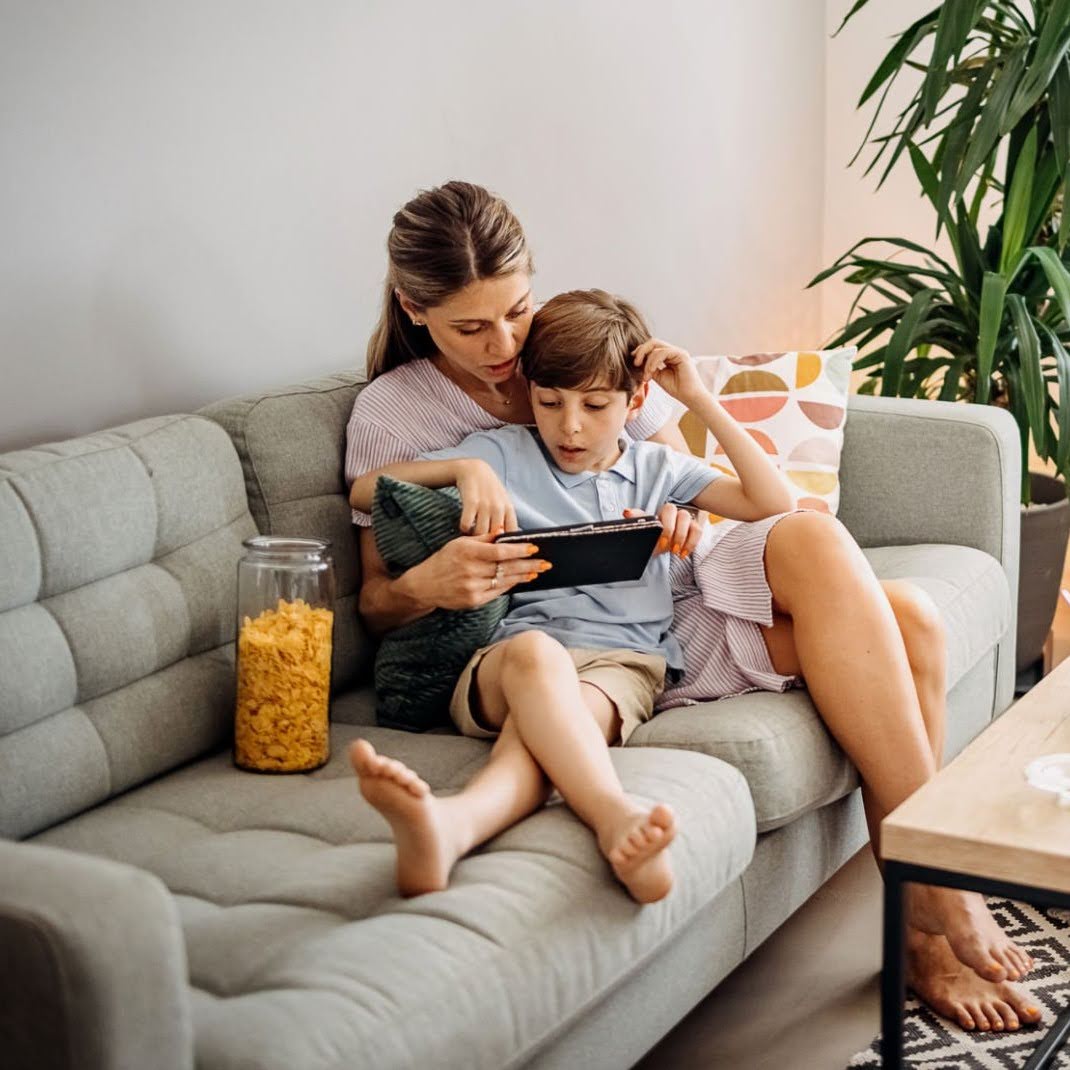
(418, 664)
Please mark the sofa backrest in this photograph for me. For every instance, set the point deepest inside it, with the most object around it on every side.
(291, 442)
(118, 553)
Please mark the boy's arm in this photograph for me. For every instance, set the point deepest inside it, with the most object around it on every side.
(485, 504)
(759, 490)
(424, 473)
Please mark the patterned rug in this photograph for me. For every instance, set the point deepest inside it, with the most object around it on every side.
(933, 1043)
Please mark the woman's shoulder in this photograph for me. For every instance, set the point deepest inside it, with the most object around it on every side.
(400, 382)
(399, 387)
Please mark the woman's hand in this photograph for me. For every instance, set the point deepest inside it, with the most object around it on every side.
(485, 502)
(671, 367)
(681, 529)
(471, 570)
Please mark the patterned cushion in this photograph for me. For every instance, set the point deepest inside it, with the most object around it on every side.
(793, 405)
(418, 664)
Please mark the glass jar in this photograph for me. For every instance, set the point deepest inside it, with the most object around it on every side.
(285, 619)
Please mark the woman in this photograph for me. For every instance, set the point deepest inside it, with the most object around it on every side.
(443, 363)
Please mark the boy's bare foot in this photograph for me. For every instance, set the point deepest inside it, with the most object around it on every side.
(426, 852)
(635, 848)
(972, 933)
(955, 991)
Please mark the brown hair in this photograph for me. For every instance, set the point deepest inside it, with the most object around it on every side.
(583, 338)
(442, 240)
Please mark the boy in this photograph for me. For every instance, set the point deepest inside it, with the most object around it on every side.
(572, 670)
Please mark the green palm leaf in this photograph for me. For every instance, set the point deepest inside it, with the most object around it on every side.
(903, 341)
(1032, 376)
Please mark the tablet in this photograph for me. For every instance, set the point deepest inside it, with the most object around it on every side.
(603, 551)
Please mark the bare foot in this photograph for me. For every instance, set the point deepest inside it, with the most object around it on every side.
(426, 852)
(955, 991)
(973, 934)
(635, 848)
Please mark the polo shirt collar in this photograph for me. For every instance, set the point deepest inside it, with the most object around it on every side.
(624, 467)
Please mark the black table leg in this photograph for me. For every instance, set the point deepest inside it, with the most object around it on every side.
(1053, 1040)
(893, 975)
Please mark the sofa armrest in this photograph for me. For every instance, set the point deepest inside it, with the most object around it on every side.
(94, 971)
(929, 471)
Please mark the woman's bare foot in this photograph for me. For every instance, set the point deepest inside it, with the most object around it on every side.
(635, 847)
(426, 852)
(972, 933)
(955, 991)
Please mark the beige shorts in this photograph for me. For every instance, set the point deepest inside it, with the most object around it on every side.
(629, 679)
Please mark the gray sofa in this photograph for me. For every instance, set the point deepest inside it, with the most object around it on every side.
(160, 909)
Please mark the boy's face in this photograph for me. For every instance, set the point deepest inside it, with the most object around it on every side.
(581, 427)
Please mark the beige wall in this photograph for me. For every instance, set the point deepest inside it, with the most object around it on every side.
(854, 207)
(196, 196)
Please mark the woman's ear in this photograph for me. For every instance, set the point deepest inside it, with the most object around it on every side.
(410, 309)
(637, 400)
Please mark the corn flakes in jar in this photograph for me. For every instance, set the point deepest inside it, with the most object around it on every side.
(285, 623)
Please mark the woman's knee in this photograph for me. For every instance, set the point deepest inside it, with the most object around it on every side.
(811, 549)
(919, 620)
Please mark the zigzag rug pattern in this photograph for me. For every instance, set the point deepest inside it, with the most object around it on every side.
(933, 1043)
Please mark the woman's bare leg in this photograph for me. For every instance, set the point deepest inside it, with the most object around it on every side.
(886, 709)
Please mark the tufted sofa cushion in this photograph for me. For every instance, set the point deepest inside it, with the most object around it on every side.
(117, 583)
(302, 955)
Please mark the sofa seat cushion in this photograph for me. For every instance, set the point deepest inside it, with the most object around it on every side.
(301, 954)
(780, 744)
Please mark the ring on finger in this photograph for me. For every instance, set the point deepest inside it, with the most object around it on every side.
(496, 578)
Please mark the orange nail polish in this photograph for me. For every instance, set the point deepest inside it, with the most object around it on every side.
(531, 576)
(545, 566)
(531, 550)
(663, 543)
(675, 547)
(684, 554)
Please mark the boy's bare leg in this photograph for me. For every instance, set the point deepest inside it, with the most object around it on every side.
(875, 668)
(566, 726)
(431, 832)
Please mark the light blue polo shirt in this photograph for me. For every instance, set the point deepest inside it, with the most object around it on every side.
(633, 615)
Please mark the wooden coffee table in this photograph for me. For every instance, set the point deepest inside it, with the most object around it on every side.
(978, 825)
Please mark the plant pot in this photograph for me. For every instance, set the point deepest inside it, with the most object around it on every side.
(1045, 526)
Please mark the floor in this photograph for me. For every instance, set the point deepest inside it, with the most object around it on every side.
(807, 999)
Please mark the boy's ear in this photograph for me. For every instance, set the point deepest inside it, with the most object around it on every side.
(637, 400)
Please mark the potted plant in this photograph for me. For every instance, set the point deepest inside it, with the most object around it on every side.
(987, 131)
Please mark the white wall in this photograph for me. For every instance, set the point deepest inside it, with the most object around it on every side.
(854, 207)
(195, 197)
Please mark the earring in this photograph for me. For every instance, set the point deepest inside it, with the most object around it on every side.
(416, 322)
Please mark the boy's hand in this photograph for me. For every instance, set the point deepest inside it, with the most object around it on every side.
(671, 368)
(485, 503)
(681, 529)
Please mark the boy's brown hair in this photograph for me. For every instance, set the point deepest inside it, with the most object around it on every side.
(584, 338)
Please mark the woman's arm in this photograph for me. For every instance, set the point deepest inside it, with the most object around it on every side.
(387, 603)
(467, 572)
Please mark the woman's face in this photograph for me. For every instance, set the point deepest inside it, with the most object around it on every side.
(482, 328)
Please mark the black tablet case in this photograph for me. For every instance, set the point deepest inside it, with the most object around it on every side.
(604, 551)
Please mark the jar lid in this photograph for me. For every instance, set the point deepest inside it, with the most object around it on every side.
(286, 546)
